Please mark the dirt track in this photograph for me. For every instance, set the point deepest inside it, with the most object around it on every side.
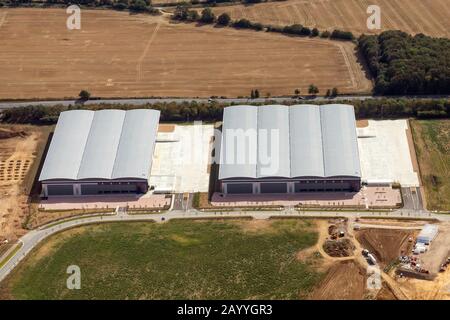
(413, 16)
(116, 54)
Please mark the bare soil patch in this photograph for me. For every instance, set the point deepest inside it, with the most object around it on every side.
(166, 128)
(20, 155)
(386, 244)
(345, 280)
(438, 289)
(362, 123)
(385, 293)
(116, 54)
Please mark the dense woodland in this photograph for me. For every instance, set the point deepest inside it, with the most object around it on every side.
(190, 111)
(405, 64)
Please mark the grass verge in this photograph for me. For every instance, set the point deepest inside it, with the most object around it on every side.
(432, 144)
(11, 254)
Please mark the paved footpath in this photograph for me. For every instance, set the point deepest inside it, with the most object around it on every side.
(34, 237)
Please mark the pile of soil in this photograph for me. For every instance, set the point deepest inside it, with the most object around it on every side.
(7, 133)
(339, 248)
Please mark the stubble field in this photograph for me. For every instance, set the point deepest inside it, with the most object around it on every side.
(116, 54)
(413, 16)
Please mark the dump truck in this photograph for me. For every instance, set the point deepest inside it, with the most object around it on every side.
(371, 259)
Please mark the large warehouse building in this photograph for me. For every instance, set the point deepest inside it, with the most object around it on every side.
(281, 149)
(100, 152)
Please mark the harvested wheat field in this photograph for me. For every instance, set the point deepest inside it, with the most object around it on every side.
(386, 244)
(116, 54)
(413, 16)
(345, 280)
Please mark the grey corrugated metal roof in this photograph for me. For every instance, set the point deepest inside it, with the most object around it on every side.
(273, 141)
(306, 141)
(101, 146)
(135, 151)
(239, 120)
(106, 144)
(314, 141)
(339, 139)
(66, 150)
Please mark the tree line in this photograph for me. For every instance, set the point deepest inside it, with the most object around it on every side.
(207, 16)
(132, 5)
(387, 108)
(405, 64)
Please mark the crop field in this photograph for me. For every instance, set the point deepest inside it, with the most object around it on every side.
(413, 16)
(432, 143)
(116, 54)
(203, 259)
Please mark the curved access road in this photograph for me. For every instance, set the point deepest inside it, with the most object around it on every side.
(30, 240)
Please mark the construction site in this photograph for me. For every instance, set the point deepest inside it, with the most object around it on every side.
(378, 259)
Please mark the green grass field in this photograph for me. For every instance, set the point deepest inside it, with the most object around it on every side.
(432, 143)
(210, 259)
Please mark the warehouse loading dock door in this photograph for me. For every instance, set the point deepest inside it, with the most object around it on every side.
(240, 188)
(273, 187)
(60, 190)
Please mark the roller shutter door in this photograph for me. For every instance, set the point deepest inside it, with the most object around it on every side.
(92, 189)
(239, 188)
(60, 190)
(273, 188)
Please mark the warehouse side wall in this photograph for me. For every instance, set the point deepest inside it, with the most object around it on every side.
(93, 188)
(290, 186)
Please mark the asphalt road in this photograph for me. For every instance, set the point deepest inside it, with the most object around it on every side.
(34, 237)
(412, 199)
(137, 102)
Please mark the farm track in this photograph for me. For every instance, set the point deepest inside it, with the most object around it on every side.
(144, 54)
